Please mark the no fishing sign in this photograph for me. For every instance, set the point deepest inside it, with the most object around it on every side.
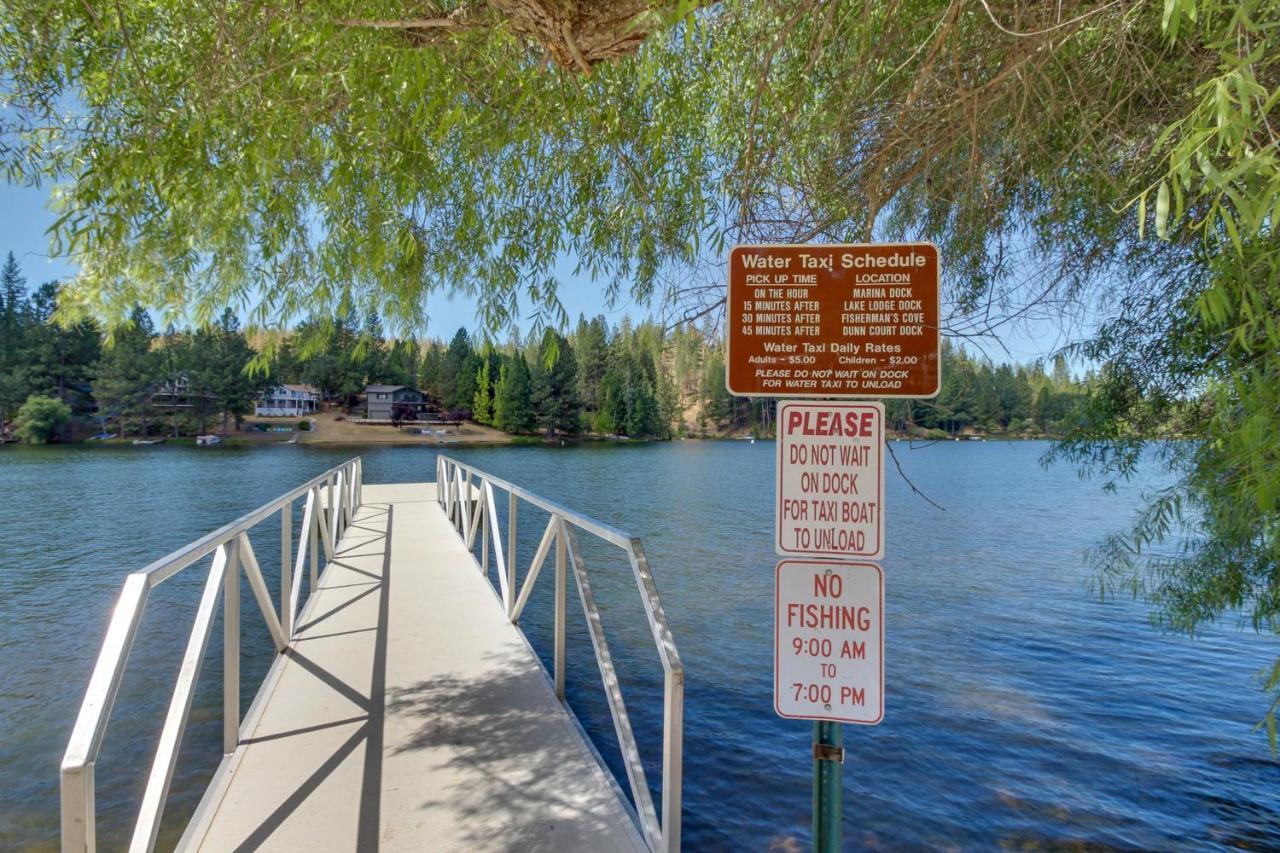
(829, 641)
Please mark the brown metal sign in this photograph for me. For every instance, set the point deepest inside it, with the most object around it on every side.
(834, 321)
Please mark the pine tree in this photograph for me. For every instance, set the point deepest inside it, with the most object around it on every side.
(1040, 408)
(59, 360)
(482, 407)
(332, 365)
(458, 377)
(370, 358)
(717, 403)
(285, 364)
(13, 305)
(400, 366)
(1061, 373)
(555, 385)
(591, 349)
(502, 396)
(512, 405)
(224, 373)
(14, 311)
(431, 373)
(125, 375)
(612, 416)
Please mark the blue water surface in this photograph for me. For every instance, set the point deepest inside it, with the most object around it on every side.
(1022, 712)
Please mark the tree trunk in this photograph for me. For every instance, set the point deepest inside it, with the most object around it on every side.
(574, 34)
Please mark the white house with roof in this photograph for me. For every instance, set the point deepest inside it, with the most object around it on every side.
(287, 401)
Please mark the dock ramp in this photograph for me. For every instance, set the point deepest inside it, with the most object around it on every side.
(405, 710)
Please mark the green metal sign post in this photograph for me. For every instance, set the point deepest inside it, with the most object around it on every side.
(828, 762)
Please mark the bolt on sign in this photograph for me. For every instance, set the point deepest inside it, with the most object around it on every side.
(829, 642)
(834, 321)
(830, 479)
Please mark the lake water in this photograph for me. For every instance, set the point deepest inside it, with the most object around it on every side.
(1021, 711)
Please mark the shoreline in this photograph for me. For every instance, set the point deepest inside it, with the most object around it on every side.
(242, 441)
(329, 429)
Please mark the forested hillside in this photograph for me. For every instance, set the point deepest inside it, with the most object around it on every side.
(630, 379)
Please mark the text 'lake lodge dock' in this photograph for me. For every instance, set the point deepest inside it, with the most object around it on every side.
(405, 709)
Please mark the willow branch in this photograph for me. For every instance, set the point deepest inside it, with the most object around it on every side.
(574, 50)
(898, 465)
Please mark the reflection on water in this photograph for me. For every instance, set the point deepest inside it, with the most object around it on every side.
(1021, 712)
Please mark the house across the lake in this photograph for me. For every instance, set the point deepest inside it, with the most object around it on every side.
(381, 398)
(176, 393)
(287, 401)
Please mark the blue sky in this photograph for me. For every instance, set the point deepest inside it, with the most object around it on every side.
(24, 219)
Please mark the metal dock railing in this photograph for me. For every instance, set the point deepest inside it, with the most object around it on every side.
(334, 504)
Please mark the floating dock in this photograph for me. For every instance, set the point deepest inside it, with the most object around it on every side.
(405, 711)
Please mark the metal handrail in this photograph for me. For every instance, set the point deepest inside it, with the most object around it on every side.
(331, 501)
(458, 487)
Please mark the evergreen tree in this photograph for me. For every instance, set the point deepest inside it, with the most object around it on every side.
(13, 390)
(482, 407)
(59, 360)
(555, 385)
(286, 366)
(1040, 408)
(14, 317)
(642, 409)
(334, 366)
(687, 345)
(612, 414)
(14, 306)
(512, 401)
(126, 373)
(431, 373)
(222, 370)
(1061, 375)
(369, 357)
(400, 364)
(640, 417)
(667, 398)
(591, 348)
(717, 402)
(458, 376)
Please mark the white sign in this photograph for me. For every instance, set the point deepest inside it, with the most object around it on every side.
(829, 642)
(830, 479)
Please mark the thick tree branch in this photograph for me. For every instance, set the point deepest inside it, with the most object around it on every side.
(575, 35)
(402, 24)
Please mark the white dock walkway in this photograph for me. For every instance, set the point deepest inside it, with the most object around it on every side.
(409, 715)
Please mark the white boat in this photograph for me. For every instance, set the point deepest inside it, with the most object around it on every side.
(148, 441)
(205, 440)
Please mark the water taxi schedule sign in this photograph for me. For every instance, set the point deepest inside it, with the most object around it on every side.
(834, 321)
(829, 641)
(830, 479)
